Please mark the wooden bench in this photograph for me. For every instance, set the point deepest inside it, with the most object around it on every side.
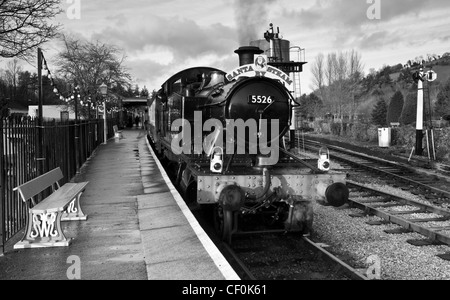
(43, 227)
(117, 133)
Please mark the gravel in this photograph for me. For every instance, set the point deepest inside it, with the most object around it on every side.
(437, 224)
(356, 242)
(421, 216)
(401, 208)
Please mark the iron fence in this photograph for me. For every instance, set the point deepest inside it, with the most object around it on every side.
(29, 150)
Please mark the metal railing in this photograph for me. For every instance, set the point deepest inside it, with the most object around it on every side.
(67, 145)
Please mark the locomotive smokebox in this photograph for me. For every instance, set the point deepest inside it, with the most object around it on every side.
(247, 54)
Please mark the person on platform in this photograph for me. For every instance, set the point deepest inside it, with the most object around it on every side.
(136, 121)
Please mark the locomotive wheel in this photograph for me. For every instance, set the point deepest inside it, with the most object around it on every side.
(224, 222)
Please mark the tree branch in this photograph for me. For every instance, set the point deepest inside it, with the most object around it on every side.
(24, 25)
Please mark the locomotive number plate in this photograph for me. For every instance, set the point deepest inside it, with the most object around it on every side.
(258, 99)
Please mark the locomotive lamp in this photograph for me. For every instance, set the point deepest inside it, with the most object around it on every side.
(216, 165)
(323, 163)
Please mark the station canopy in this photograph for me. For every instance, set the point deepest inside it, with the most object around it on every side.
(133, 102)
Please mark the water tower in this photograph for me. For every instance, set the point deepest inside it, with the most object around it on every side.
(283, 56)
(289, 59)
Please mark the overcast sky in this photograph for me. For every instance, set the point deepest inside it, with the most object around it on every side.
(161, 37)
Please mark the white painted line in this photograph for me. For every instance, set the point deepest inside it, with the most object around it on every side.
(220, 261)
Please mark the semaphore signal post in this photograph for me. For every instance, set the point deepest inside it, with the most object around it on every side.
(420, 77)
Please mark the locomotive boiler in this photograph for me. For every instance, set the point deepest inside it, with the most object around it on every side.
(223, 136)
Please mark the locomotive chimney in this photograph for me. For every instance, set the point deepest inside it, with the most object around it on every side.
(247, 54)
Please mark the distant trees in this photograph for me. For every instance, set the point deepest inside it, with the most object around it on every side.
(395, 108)
(20, 87)
(405, 76)
(409, 113)
(442, 106)
(25, 25)
(11, 77)
(311, 106)
(136, 91)
(337, 80)
(144, 92)
(318, 72)
(379, 113)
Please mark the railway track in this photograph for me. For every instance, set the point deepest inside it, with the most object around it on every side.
(435, 189)
(412, 216)
(277, 255)
(267, 256)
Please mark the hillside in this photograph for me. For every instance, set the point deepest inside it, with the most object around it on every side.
(441, 67)
(390, 79)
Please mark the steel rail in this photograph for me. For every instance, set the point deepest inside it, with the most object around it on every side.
(401, 168)
(395, 217)
(348, 270)
(243, 272)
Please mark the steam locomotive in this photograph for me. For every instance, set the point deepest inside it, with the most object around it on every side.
(223, 133)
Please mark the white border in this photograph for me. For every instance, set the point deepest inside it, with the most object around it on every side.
(220, 261)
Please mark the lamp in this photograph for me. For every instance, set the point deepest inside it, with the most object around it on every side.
(104, 91)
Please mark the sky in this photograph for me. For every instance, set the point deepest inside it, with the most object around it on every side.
(162, 37)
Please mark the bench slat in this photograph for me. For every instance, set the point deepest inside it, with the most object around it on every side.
(60, 199)
(39, 184)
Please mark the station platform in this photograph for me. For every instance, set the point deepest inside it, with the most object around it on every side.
(138, 226)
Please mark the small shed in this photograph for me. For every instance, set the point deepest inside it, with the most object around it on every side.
(58, 112)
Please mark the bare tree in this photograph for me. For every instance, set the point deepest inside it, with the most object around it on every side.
(24, 25)
(356, 70)
(89, 64)
(12, 76)
(330, 73)
(342, 73)
(356, 67)
(318, 72)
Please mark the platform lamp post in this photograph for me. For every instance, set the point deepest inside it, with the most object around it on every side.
(77, 129)
(104, 91)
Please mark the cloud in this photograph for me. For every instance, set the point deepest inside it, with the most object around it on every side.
(161, 37)
(183, 38)
(353, 13)
(160, 46)
(345, 24)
